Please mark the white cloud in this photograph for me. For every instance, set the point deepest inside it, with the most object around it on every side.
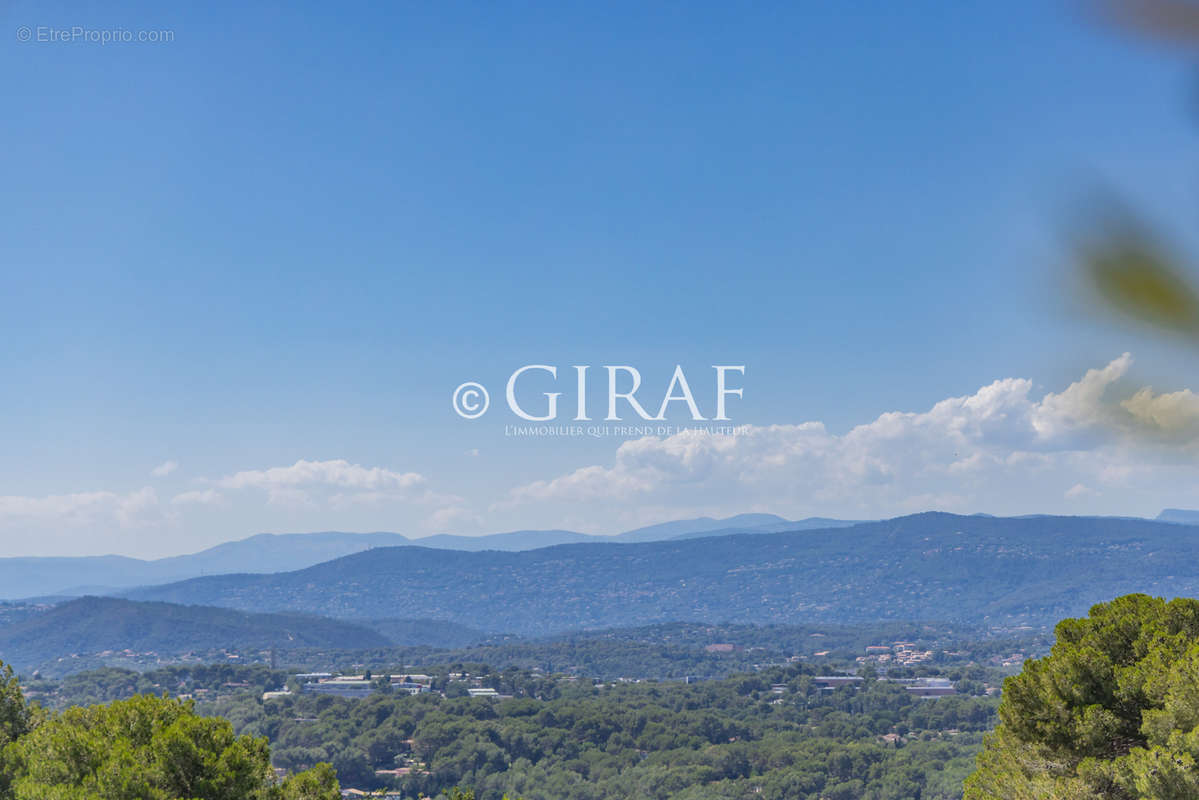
(336, 485)
(1175, 415)
(199, 497)
(998, 449)
(1080, 491)
(1083, 405)
(57, 505)
(337, 473)
(164, 469)
(81, 507)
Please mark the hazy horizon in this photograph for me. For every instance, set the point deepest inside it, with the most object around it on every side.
(417, 538)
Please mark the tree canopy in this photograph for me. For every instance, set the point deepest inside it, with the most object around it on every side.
(1111, 713)
(144, 748)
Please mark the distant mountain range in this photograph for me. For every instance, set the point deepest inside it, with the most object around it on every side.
(934, 566)
(270, 553)
(1179, 515)
(939, 568)
(741, 523)
(783, 526)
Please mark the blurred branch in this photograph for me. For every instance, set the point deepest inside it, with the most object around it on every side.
(1133, 272)
(1176, 20)
(1122, 258)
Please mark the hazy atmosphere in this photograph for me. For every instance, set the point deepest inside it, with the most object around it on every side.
(238, 305)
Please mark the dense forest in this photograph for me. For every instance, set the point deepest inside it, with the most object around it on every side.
(775, 734)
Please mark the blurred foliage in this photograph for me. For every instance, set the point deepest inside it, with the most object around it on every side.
(1173, 20)
(1121, 257)
(1132, 271)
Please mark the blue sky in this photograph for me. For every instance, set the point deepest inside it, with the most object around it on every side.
(286, 235)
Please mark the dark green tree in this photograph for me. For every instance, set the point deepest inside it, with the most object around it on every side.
(149, 748)
(1112, 713)
(16, 718)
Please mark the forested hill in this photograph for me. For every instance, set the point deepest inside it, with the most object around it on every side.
(94, 624)
(931, 566)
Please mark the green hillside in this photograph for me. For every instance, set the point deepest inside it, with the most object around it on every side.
(97, 624)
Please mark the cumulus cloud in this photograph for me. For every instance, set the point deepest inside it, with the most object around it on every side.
(338, 473)
(81, 507)
(1174, 415)
(56, 505)
(304, 494)
(1000, 448)
(336, 484)
(1083, 406)
(164, 469)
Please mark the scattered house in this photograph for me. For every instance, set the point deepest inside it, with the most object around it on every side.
(410, 686)
(722, 647)
(902, 653)
(353, 690)
(483, 692)
(931, 687)
(916, 687)
(349, 686)
(413, 677)
(1014, 660)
